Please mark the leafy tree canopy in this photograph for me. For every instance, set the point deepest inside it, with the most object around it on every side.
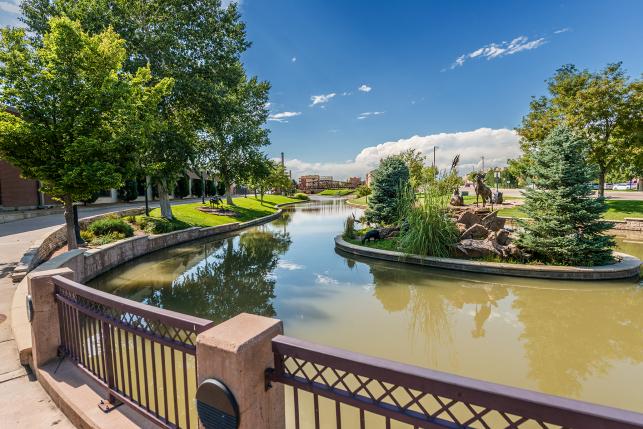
(78, 116)
(604, 108)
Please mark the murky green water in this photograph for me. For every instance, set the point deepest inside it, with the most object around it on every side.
(578, 339)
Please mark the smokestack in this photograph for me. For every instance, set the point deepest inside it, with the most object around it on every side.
(282, 159)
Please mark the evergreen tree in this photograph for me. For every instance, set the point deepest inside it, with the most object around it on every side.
(389, 178)
(565, 225)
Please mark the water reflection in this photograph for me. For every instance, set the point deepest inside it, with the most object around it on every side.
(577, 339)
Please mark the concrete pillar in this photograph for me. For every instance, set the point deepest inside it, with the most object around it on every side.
(45, 326)
(237, 352)
(189, 186)
(113, 194)
(150, 194)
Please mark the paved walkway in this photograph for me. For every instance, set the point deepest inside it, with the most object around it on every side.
(24, 402)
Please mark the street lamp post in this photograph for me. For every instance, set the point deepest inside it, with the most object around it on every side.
(496, 174)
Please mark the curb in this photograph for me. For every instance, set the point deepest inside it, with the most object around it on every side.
(628, 267)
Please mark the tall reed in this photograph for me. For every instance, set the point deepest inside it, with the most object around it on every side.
(427, 227)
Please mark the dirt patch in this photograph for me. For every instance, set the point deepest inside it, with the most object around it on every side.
(217, 212)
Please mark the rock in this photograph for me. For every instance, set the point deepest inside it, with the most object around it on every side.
(468, 218)
(496, 197)
(502, 237)
(461, 227)
(493, 222)
(389, 232)
(477, 248)
(512, 251)
(456, 199)
(476, 232)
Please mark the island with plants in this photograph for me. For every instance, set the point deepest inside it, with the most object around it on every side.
(420, 218)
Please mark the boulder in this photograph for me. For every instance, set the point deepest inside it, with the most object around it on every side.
(502, 237)
(476, 248)
(461, 227)
(468, 218)
(496, 198)
(476, 232)
(389, 232)
(512, 251)
(456, 200)
(493, 222)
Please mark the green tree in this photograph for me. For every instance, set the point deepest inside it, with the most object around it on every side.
(414, 160)
(389, 179)
(129, 191)
(198, 46)
(564, 225)
(234, 145)
(79, 115)
(602, 107)
(362, 191)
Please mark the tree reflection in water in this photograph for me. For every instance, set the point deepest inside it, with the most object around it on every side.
(230, 280)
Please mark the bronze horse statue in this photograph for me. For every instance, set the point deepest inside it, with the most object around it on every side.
(482, 190)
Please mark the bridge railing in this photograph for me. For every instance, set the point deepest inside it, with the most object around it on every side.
(144, 356)
(337, 388)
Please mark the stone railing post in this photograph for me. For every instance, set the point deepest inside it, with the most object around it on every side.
(45, 325)
(237, 352)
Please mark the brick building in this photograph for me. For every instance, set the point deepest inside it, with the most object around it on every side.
(17, 193)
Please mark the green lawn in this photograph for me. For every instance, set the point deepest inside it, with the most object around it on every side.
(336, 192)
(246, 208)
(359, 201)
(616, 210)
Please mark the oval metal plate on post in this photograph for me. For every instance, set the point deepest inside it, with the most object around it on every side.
(29, 305)
(216, 405)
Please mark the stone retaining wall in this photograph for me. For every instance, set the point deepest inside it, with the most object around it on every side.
(48, 244)
(629, 224)
(628, 267)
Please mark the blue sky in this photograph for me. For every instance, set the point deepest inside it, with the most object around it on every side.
(416, 93)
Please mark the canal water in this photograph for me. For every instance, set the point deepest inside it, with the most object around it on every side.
(577, 339)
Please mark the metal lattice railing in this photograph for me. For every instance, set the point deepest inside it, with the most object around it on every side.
(143, 356)
(337, 388)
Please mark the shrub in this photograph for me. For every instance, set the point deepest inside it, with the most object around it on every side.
(108, 238)
(362, 191)
(565, 225)
(156, 225)
(110, 225)
(428, 229)
(129, 191)
(389, 178)
(301, 196)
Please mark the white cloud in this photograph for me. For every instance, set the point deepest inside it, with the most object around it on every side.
(368, 114)
(562, 30)
(364, 88)
(281, 117)
(10, 6)
(293, 59)
(321, 99)
(497, 50)
(496, 145)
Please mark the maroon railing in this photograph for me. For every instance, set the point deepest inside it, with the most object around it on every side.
(145, 357)
(337, 388)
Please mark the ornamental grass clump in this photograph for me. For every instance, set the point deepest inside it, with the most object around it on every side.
(427, 228)
(349, 228)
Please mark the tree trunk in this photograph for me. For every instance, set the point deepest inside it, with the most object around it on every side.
(202, 187)
(79, 239)
(69, 222)
(228, 196)
(639, 184)
(164, 199)
(601, 181)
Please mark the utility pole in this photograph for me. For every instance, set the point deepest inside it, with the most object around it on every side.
(483, 163)
(282, 159)
(434, 147)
